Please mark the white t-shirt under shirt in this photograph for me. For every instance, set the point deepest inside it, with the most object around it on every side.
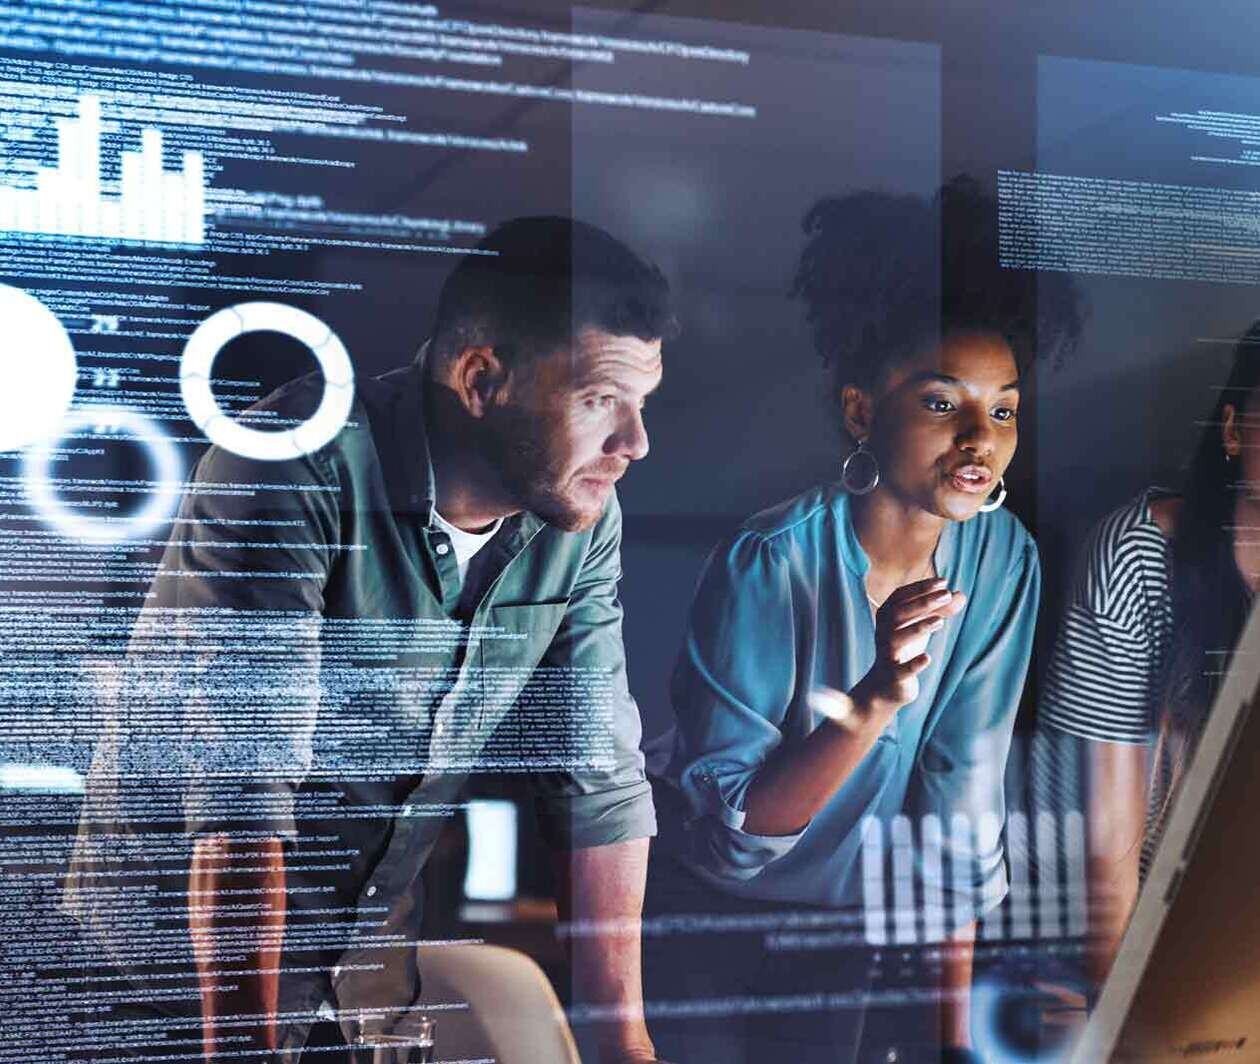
(465, 544)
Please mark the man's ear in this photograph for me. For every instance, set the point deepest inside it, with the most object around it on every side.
(479, 378)
(1231, 435)
(858, 411)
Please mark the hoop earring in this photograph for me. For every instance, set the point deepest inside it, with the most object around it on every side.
(846, 472)
(990, 504)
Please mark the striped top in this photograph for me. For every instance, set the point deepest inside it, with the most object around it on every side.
(1108, 659)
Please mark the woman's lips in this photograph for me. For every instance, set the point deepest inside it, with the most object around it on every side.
(972, 479)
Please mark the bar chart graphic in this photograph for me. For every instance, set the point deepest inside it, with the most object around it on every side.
(70, 199)
(915, 886)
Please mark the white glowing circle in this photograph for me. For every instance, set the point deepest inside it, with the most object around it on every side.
(217, 330)
(990, 998)
(167, 479)
(38, 368)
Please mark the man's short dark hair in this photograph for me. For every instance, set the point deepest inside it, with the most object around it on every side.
(881, 274)
(533, 284)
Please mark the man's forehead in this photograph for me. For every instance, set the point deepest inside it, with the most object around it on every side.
(595, 352)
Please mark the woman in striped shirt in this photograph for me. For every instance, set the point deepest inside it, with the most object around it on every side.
(1160, 598)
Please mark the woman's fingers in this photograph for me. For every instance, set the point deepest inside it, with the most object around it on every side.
(939, 602)
(914, 590)
(914, 666)
(922, 594)
(911, 597)
(911, 640)
(904, 625)
(942, 605)
(893, 684)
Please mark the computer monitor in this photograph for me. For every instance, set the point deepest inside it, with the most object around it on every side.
(1186, 980)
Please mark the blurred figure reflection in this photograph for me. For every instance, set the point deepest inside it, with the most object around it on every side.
(1161, 594)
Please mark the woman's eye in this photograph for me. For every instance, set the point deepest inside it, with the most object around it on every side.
(1004, 413)
(937, 404)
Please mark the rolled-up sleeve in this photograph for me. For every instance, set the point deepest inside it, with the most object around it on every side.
(610, 801)
(732, 689)
(959, 776)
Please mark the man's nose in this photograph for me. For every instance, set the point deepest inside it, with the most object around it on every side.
(631, 438)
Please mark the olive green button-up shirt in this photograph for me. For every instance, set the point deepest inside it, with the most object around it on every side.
(310, 665)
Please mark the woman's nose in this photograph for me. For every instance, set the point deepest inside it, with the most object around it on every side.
(976, 436)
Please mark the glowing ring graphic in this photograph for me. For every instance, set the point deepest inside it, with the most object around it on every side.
(169, 477)
(990, 995)
(38, 366)
(209, 338)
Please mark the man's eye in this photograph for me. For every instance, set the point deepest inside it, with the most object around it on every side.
(1004, 413)
(937, 404)
(601, 402)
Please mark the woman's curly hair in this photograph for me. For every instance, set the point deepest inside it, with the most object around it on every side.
(881, 275)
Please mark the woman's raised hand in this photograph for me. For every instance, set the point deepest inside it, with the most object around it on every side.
(903, 625)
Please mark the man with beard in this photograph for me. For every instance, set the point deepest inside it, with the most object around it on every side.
(395, 601)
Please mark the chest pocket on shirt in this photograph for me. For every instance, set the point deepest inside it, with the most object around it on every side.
(509, 649)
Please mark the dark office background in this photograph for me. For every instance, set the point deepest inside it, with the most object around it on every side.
(893, 96)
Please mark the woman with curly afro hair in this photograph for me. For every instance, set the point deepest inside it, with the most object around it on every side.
(855, 655)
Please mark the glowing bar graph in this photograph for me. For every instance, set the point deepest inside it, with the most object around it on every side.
(1021, 900)
(152, 204)
(874, 899)
(1048, 864)
(1077, 889)
(933, 896)
(940, 857)
(903, 880)
(964, 873)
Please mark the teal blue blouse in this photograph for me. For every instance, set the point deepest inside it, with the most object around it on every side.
(780, 619)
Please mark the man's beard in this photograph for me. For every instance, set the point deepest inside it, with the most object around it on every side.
(516, 446)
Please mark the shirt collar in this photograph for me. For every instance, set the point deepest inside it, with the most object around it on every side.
(854, 555)
(851, 551)
(411, 440)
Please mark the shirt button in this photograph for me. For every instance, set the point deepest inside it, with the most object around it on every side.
(371, 891)
(443, 548)
(439, 728)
